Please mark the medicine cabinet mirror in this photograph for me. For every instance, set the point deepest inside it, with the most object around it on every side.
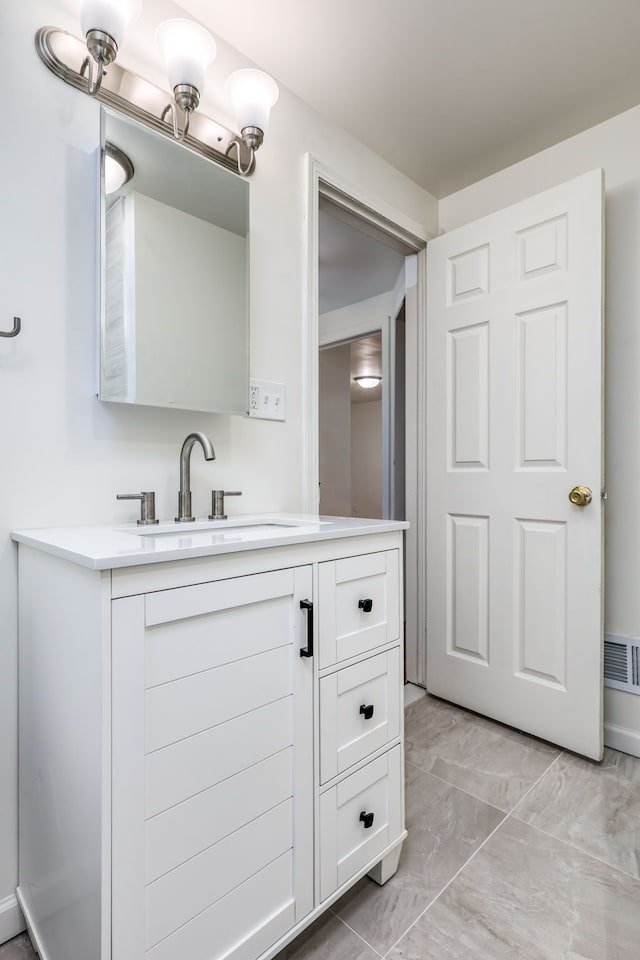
(174, 274)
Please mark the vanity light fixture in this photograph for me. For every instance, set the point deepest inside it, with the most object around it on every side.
(368, 382)
(252, 94)
(118, 168)
(103, 24)
(188, 49)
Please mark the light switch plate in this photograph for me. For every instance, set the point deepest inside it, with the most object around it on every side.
(267, 400)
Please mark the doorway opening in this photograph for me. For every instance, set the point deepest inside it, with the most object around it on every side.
(351, 441)
(366, 305)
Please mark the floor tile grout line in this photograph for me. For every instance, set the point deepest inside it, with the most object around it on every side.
(358, 935)
(455, 786)
(474, 796)
(505, 817)
(573, 846)
(534, 785)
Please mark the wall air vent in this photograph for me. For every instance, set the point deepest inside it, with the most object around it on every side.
(622, 663)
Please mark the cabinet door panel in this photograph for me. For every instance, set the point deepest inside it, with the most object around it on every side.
(192, 887)
(190, 766)
(359, 605)
(187, 829)
(214, 639)
(203, 598)
(188, 706)
(215, 737)
(241, 925)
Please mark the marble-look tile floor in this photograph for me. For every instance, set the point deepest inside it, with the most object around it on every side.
(516, 851)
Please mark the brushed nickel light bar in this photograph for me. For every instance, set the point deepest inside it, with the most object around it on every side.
(251, 92)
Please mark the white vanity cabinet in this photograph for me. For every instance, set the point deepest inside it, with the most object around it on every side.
(192, 782)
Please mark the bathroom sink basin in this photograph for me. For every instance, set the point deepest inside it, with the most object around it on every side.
(257, 525)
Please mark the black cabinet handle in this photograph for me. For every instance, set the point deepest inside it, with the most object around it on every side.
(366, 605)
(308, 650)
(367, 819)
(367, 710)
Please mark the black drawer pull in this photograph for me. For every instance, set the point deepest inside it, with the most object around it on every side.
(308, 650)
(367, 819)
(366, 605)
(367, 710)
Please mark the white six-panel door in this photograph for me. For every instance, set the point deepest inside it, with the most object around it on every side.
(514, 422)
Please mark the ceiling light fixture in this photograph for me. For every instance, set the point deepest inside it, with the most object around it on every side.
(188, 49)
(118, 168)
(368, 382)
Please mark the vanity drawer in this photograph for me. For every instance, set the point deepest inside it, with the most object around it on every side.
(359, 818)
(359, 605)
(359, 712)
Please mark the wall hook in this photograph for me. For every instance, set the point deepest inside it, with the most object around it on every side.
(17, 327)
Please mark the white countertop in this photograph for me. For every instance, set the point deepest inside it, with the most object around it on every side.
(104, 547)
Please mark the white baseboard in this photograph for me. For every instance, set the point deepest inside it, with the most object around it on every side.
(620, 738)
(32, 930)
(11, 919)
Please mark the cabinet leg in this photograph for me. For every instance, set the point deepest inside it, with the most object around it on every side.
(384, 870)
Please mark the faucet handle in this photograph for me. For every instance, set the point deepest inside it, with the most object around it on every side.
(147, 505)
(217, 503)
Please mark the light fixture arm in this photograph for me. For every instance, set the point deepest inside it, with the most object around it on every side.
(87, 68)
(103, 50)
(251, 138)
(171, 110)
(186, 98)
(250, 167)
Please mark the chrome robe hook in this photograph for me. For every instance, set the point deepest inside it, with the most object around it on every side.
(17, 327)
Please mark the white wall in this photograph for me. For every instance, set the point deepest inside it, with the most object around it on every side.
(614, 146)
(190, 328)
(65, 455)
(335, 431)
(366, 459)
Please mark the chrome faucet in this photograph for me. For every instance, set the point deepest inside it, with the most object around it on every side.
(184, 495)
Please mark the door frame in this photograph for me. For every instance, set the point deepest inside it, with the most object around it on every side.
(322, 181)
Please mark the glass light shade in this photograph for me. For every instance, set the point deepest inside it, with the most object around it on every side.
(110, 16)
(368, 382)
(252, 94)
(114, 175)
(187, 50)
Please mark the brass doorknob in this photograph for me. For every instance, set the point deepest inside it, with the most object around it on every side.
(580, 496)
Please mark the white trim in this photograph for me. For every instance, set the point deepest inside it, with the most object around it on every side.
(310, 346)
(415, 475)
(349, 196)
(355, 331)
(11, 919)
(421, 515)
(621, 738)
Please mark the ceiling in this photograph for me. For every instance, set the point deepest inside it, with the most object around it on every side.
(353, 266)
(448, 91)
(366, 360)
